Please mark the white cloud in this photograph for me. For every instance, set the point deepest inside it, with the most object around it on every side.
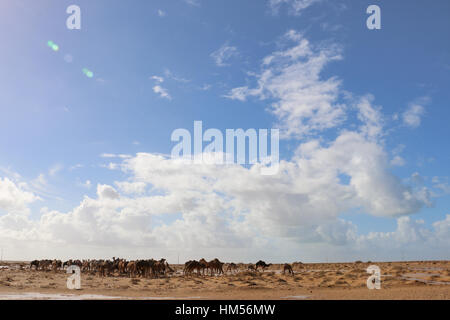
(304, 103)
(195, 3)
(161, 13)
(295, 6)
(412, 117)
(222, 55)
(370, 116)
(14, 198)
(226, 207)
(131, 187)
(41, 187)
(106, 192)
(169, 74)
(163, 93)
(441, 184)
(112, 155)
(442, 230)
(398, 161)
(411, 236)
(55, 169)
(158, 79)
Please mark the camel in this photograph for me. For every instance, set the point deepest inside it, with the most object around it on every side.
(191, 266)
(45, 264)
(232, 267)
(288, 267)
(186, 265)
(34, 263)
(204, 264)
(56, 264)
(216, 266)
(105, 268)
(85, 265)
(122, 266)
(143, 268)
(115, 264)
(131, 267)
(169, 269)
(160, 267)
(262, 264)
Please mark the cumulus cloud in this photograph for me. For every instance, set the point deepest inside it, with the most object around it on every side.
(131, 187)
(304, 103)
(223, 207)
(410, 237)
(106, 192)
(213, 208)
(14, 198)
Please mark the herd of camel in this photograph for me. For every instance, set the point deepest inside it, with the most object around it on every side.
(150, 268)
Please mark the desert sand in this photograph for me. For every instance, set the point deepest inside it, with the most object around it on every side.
(399, 280)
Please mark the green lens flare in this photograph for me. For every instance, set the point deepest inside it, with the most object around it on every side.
(88, 73)
(53, 45)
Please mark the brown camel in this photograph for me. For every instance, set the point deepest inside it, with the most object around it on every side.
(262, 264)
(131, 267)
(204, 264)
(288, 267)
(56, 264)
(216, 266)
(191, 266)
(232, 267)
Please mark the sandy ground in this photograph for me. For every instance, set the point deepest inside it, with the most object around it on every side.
(399, 280)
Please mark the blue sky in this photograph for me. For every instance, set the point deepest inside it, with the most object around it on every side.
(57, 123)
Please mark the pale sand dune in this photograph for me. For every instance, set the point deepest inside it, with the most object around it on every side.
(400, 280)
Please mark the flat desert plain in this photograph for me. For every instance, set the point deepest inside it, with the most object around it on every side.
(399, 280)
